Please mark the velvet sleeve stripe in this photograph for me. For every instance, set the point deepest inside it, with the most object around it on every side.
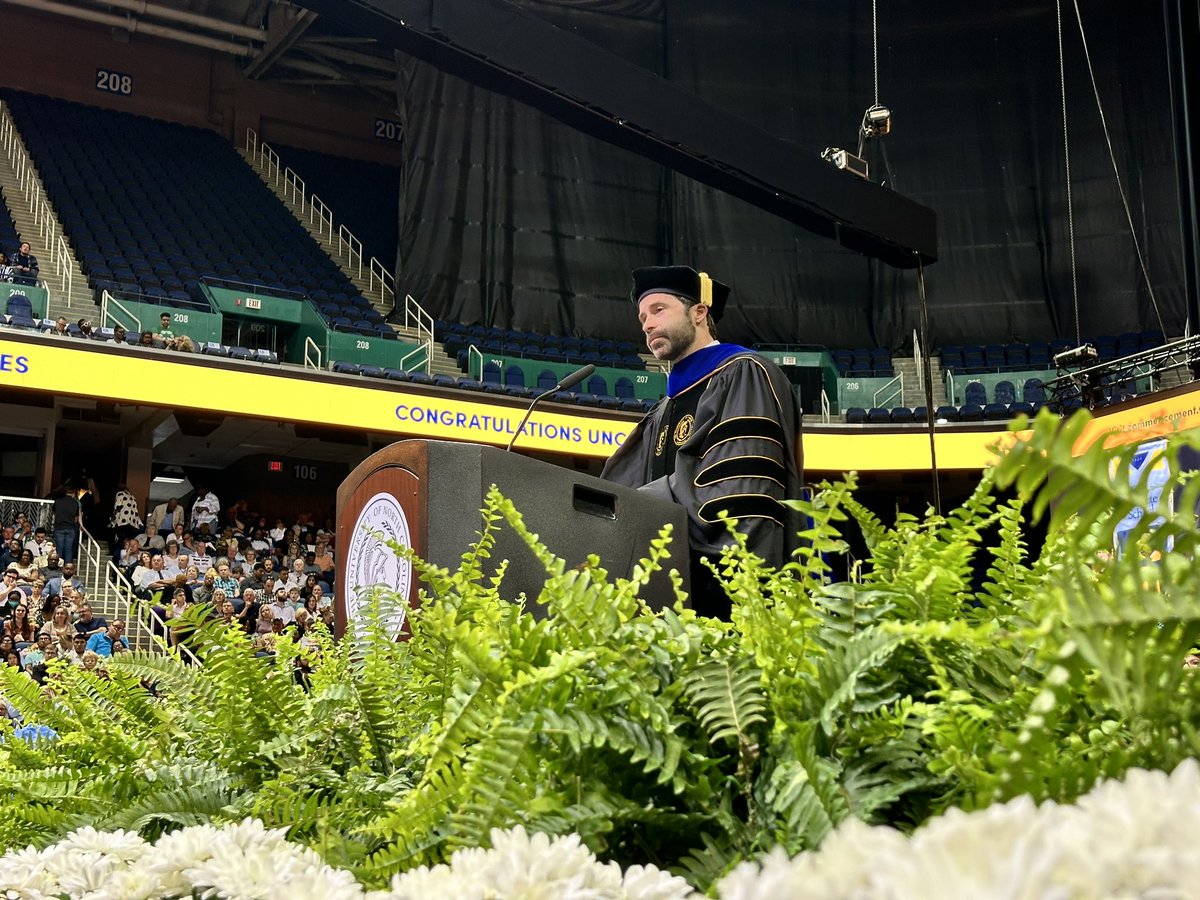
(742, 506)
(746, 427)
(742, 467)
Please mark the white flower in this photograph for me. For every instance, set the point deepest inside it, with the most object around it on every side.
(652, 883)
(1131, 839)
(125, 846)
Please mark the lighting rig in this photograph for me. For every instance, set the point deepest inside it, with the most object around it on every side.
(1081, 382)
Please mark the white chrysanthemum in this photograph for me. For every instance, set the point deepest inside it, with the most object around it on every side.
(846, 866)
(652, 883)
(125, 846)
(23, 873)
(1006, 852)
(437, 881)
(248, 860)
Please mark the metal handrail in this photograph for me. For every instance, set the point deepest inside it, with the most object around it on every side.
(107, 299)
(308, 363)
(473, 353)
(380, 281)
(44, 217)
(426, 348)
(88, 564)
(951, 393)
(294, 188)
(917, 357)
(826, 412)
(136, 613)
(418, 318)
(896, 392)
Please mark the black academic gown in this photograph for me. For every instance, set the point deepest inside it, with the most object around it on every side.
(727, 437)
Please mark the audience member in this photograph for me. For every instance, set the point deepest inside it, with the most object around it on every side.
(67, 516)
(126, 520)
(89, 624)
(103, 643)
(165, 334)
(6, 268)
(60, 326)
(54, 587)
(59, 628)
(78, 647)
(25, 567)
(85, 327)
(24, 265)
(40, 544)
(163, 518)
(205, 507)
(120, 335)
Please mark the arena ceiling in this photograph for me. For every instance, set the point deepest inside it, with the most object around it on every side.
(275, 40)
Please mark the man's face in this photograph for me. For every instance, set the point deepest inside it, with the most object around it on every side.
(69, 570)
(43, 641)
(223, 571)
(79, 643)
(52, 560)
(165, 319)
(172, 503)
(669, 325)
(24, 246)
(85, 614)
(156, 563)
(248, 595)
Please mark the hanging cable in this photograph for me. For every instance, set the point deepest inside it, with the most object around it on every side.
(875, 45)
(1062, 81)
(927, 374)
(1116, 172)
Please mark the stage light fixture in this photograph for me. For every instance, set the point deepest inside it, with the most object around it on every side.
(844, 159)
(876, 122)
(1076, 356)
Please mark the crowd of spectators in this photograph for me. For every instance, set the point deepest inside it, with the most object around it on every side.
(267, 579)
(46, 610)
(163, 339)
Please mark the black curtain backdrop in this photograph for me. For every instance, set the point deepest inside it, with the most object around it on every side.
(511, 219)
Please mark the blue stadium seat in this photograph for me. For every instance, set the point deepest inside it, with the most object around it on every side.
(372, 371)
(1004, 392)
(902, 414)
(345, 368)
(947, 413)
(1033, 391)
(1021, 408)
(995, 412)
(877, 415)
(970, 412)
(856, 415)
(975, 394)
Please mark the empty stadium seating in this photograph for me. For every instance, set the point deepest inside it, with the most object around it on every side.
(167, 205)
(361, 194)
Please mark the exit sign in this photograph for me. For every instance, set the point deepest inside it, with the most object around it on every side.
(274, 465)
(253, 303)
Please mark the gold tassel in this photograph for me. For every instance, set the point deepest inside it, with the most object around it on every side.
(705, 289)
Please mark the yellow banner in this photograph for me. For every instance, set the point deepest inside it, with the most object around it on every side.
(134, 375)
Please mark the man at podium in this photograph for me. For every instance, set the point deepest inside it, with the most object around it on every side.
(726, 436)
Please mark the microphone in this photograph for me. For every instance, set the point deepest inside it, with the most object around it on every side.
(566, 384)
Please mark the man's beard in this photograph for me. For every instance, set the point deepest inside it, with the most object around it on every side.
(677, 341)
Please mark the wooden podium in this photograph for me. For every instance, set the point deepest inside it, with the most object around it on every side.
(428, 495)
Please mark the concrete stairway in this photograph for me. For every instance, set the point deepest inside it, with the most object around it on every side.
(914, 391)
(25, 196)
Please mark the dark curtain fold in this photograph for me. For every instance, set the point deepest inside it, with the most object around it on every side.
(509, 218)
